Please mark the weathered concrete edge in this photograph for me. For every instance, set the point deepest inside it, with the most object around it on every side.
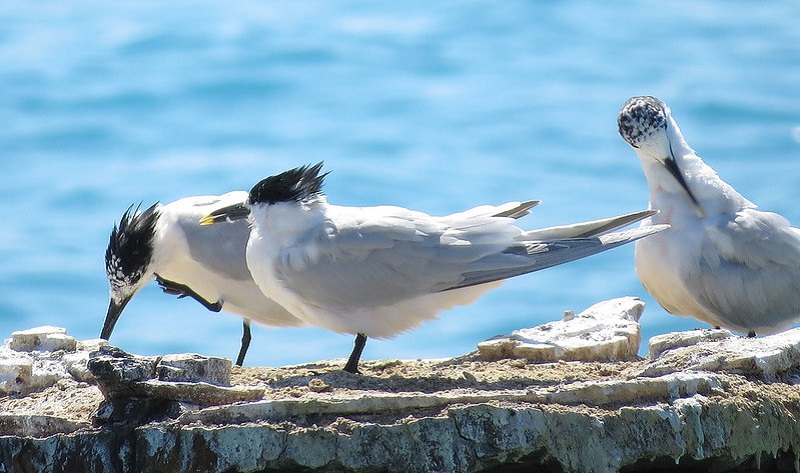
(593, 393)
(459, 437)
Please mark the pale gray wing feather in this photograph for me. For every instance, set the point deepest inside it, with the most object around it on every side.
(548, 253)
(221, 248)
(383, 255)
(589, 229)
(749, 270)
(390, 254)
(513, 210)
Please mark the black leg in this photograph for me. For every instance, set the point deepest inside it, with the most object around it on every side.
(751, 334)
(182, 290)
(355, 356)
(245, 342)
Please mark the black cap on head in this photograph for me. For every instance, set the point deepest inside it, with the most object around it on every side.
(129, 253)
(295, 185)
(130, 247)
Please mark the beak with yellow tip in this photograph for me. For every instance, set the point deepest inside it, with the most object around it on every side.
(226, 214)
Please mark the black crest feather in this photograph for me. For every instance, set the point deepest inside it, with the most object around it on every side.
(130, 247)
(294, 185)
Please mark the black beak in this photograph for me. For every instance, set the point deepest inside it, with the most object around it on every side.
(226, 214)
(673, 169)
(114, 311)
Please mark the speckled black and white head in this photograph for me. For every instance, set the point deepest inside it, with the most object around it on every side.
(128, 258)
(646, 124)
(641, 119)
(296, 185)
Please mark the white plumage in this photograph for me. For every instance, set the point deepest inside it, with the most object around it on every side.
(380, 271)
(723, 261)
(208, 264)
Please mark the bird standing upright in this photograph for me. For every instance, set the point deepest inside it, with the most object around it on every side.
(207, 264)
(722, 261)
(380, 271)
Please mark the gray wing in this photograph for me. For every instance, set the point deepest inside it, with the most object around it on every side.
(385, 255)
(379, 256)
(516, 211)
(220, 248)
(749, 270)
(589, 229)
(548, 253)
(513, 210)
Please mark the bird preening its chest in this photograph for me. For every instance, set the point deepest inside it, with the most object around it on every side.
(723, 261)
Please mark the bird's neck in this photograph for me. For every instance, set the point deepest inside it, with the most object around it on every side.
(286, 221)
(713, 196)
(167, 243)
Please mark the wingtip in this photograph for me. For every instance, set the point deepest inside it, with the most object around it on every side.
(634, 217)
(627, 236)
(592, 228)
(519, 210)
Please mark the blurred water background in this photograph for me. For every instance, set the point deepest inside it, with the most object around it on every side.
(435, 106)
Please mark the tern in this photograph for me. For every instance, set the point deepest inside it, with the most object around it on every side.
(166, 242)
(379, 271)
(723, 261)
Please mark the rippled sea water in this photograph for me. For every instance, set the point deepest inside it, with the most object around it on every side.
(436, 107)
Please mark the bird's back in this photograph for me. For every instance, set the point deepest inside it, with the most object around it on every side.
(352, 267)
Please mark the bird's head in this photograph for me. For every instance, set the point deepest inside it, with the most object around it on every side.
(646, 124)
(643, 123)
(129, 259)
(299, 185)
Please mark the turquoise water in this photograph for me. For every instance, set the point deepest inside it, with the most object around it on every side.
(436, 107)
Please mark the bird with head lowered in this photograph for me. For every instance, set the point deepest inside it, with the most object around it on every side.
(166, 242)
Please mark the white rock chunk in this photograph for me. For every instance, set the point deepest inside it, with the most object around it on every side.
(606, 331)
(15, 374)
(721, 351)
(46, 338)
(24, 372)
(77, 363)
(661, 343)
(93, 344)
(40, 357)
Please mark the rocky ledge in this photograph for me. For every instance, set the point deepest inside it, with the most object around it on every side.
(569, 396)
